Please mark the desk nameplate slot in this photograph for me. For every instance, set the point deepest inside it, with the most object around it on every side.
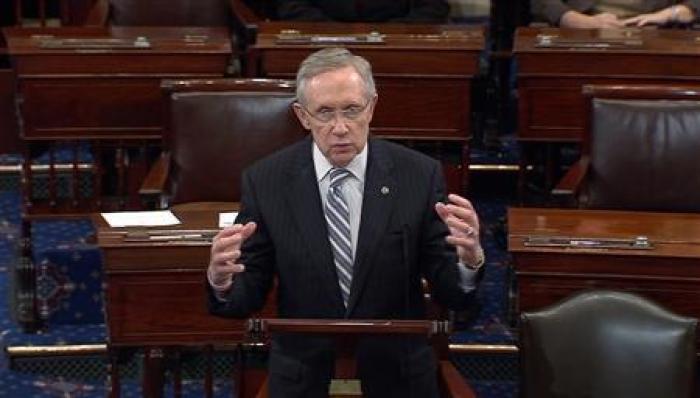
(292, 36)
(636, 243)
(173, 235)
(84, 44)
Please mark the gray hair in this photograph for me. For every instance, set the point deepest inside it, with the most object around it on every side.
(330, 59)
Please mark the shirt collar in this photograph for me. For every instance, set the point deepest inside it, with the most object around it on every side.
(357, 166)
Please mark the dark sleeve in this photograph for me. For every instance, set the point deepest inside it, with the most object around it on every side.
(427, 11)
(438, 259)
(299, 10)
(549, 11)
(250, 288)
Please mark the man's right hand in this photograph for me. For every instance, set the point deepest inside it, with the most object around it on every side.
(225, 252)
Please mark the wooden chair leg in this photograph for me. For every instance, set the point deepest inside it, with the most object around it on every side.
(115, 382)
(153, 372)
(209, 371)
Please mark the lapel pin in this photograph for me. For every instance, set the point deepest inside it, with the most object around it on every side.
(385, 190)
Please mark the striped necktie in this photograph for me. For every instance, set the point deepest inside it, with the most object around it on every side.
(338, 218)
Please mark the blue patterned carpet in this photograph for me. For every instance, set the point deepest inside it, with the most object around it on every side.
(70, 281)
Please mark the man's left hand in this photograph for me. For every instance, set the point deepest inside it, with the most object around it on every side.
(461, 219)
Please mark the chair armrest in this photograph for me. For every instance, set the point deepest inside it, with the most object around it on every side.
(453, 381)
(99, 14)
(153, 186)
(569, 186)
(246, 20)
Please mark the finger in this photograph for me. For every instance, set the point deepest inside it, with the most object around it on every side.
(442, 211)
(467, 215)
(457, 225)
(228, 256)
(225, 270)
(460, 228)
(226, 244)
(638, 21)
(228, 231)
(248, 229)
(466, 243)
(236, 267)
(234, 241)
(460, 201)
(614, 23)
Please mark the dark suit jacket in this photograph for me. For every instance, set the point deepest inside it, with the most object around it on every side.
(551, 11)
(401, 239)
(427, 11)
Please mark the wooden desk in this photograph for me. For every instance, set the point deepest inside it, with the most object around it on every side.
(553, 64)
(108, 92)
(155, 294)
(423, 73)
(102, 86)
(669, 273)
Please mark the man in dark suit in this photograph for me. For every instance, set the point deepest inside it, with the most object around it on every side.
(425, 11)
(349, 226)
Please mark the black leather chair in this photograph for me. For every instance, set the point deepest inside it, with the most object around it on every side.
(605, 344)
(639, 150)
(216, 129)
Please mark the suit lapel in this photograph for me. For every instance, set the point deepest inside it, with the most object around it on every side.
(378, 201)
(305, 205)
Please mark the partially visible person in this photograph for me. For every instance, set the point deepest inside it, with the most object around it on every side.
(349, 226)
(425, 11)
(605, 14)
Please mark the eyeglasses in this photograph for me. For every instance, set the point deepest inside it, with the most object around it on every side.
(325, 116)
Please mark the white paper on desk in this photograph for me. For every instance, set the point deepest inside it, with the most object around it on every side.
(227, 219)
(157, 218)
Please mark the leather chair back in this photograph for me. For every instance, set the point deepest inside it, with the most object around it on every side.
(169, 12)
(643, 147)
(602, 344)
(218, 130)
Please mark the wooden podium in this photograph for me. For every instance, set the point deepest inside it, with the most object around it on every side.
(347, 332)
(558, 252)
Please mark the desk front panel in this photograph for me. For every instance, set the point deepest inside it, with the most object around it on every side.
(552, 108)
(546, 278)
(416, 105)
(91, 107)
(165, 308)
(424, 90)
(107, 92)
(156, 296)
